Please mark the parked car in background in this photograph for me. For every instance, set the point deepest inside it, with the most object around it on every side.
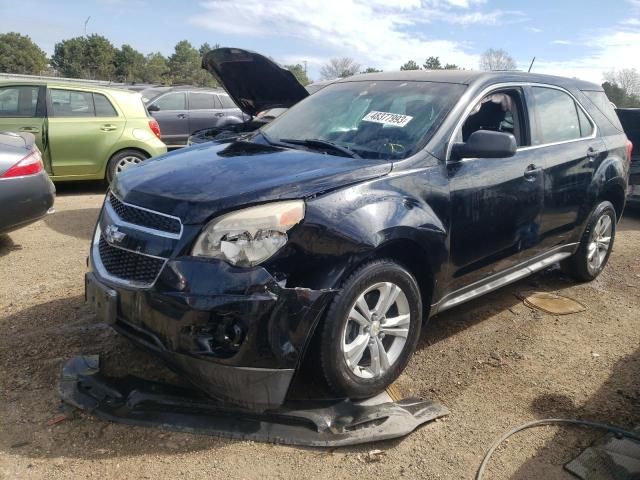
(333, 232)
(630, 120)
(85, 132)
(26, 192)
(183, 110)
(261, 88)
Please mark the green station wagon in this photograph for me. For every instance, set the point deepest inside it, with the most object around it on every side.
(85, 132)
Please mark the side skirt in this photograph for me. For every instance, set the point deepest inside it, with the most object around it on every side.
(500, 279)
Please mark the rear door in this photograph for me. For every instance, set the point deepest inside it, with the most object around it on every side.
(83, 127)
(205, 111)
(22, 109)
(173, 117)
(565, 139)
(231, 109)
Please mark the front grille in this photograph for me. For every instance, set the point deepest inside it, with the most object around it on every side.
(144, 218)
(127, 265)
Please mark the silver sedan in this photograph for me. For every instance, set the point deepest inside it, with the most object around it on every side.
(26, 192)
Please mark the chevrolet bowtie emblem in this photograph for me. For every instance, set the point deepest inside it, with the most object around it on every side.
(113, 235)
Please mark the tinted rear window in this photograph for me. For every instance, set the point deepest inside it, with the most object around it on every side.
(602, 103)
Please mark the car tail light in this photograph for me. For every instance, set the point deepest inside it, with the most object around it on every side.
(629, 150)
(29, 165)
(155, 128)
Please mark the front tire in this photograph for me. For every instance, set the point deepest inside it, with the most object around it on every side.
(122, 160)
(370, 330)
(595, 246)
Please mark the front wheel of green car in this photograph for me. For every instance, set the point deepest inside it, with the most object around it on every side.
(123, 160)
(371, 329)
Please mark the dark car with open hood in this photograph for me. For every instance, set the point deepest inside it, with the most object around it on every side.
(329, 236)
(261, 88)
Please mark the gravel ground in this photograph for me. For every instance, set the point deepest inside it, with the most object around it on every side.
(493, 362)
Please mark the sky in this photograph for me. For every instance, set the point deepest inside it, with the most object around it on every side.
(573, 38)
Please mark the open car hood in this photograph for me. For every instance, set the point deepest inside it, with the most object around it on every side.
(254, 82)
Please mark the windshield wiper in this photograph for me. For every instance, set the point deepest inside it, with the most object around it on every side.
(316, 142)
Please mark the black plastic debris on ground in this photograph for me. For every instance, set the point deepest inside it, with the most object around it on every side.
(318, 423)
(610, 458)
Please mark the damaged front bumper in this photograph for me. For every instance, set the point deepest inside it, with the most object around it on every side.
(324, 423)
(236, 334)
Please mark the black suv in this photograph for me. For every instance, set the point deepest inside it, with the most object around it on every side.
(331, 234)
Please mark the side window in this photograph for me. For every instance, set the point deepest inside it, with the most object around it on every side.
(227, 102)
(19, 101)
(500, 111)
(202, 101)
(558, 116)
(103, 106)
(71, 103)
(586, 127)
(172, 101)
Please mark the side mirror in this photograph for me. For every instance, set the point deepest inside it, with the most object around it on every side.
(153, 108)
(486, 144)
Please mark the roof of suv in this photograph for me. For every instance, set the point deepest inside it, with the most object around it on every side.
(467, 77)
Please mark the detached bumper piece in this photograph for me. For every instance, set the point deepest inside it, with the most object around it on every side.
(325, 423)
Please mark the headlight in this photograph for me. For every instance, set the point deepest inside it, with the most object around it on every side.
(250, 236)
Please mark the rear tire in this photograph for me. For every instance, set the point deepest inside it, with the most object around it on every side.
(370, 330)
(122, 160)
(595, 246)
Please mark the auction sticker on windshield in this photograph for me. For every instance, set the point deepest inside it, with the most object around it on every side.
(387, 118)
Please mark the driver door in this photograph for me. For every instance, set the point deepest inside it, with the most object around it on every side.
(496, 203)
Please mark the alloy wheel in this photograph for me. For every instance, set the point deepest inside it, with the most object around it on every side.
(376, 330)
(600, 243)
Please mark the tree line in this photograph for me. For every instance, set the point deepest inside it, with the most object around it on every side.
(94, 57)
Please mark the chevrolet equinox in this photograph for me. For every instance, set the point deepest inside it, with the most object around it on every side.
(332, 233)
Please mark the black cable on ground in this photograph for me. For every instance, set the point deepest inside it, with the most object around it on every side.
(552, 421)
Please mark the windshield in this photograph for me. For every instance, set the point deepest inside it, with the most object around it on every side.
(374, 119)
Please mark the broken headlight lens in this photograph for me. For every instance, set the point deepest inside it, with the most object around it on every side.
(250, 236)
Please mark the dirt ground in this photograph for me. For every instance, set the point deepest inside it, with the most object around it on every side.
(493, 362)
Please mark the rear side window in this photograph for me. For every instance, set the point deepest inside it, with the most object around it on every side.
(71, 103)
(103, 106)
(227, 102)
(172, 101)
(602, 103)
(203, 101)
(558, 116)
(19, 101)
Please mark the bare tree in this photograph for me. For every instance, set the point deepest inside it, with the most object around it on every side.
(497, 59)
(628, 79)
(339, 68)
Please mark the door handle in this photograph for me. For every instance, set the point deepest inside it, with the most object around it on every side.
(219, 115)
(181, 115)
(29, 129)
(108, 128)
(531, 173)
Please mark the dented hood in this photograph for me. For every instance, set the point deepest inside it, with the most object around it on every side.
(254, 82)
(200, 182)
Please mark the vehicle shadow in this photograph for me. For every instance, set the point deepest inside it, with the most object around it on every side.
(85, 187)
(7, 245)
(616, 402)
(36, 343)
(75, 223)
